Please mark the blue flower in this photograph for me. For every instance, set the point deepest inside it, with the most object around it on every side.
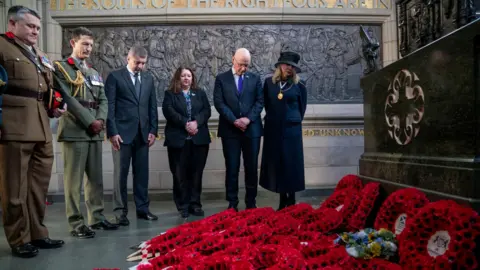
(336, 241)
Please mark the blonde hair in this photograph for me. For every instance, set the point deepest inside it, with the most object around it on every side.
(277, 76)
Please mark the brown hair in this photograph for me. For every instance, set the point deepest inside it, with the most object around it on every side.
(176, 83)
(78, 32)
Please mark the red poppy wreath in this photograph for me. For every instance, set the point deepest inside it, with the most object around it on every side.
(349, 181)
(344, 201)
(398, 207)
(364, 205)
(323, 220)
(442, 236)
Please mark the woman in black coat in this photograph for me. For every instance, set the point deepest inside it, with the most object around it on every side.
(187, 138)
(285, 97)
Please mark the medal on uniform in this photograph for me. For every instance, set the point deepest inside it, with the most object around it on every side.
(280, 96)
(96, 80)
(46, 63)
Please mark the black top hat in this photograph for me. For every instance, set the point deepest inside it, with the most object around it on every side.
(3, 79)
(289, 58)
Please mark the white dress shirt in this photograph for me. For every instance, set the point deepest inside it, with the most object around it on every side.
(132, 76)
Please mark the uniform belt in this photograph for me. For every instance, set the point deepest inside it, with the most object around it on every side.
(16, 91)
(89, 104)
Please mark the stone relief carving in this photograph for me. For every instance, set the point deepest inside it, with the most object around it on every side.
(421, 22)
(332, 60)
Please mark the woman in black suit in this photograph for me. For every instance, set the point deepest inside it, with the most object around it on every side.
(187, 138)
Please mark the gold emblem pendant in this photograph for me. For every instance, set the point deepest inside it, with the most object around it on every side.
(280, 95)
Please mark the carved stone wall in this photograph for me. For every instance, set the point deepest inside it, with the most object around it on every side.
(332, 61)
(421, 22)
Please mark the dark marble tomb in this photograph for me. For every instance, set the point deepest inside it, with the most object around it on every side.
(422, 120)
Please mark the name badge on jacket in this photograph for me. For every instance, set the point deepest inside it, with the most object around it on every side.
(46, 62)
(96, 80)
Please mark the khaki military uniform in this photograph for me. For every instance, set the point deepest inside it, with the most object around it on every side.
(26, 150)
(82, 151)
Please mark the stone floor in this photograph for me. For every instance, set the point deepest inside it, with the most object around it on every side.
(109, 249)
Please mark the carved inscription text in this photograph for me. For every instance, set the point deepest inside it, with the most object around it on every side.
(215, 4)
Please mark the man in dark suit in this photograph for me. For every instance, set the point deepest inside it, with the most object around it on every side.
(132, 125)
(238, 98)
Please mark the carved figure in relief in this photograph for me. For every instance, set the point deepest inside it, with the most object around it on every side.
(122, 48)
(158, 65)
(331, 56)
(204, 68)
(369, 47)
(107, 53)
(315, 53)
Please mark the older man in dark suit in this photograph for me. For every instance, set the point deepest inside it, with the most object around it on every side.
(132, 125)
(238, 98)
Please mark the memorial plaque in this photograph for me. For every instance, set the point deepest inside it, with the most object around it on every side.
(332, 60)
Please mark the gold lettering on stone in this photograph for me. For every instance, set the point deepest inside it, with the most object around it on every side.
(322, 132)
(226, 4)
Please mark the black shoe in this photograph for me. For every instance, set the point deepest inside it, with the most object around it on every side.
(25, 251)
(147, 216)
(83, 233)
(251, 206)
(184, 214)
(283, 201)
(104, 225)
(197, 211)
(123, 220)
(47, 243)
(232, 206)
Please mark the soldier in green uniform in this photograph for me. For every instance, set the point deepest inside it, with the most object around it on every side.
(82, 131)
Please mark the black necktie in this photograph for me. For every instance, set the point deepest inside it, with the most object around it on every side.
(137, 85)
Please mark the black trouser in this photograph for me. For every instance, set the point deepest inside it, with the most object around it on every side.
(137, 153)
(232, 148)
(286, 200)
(187, 164)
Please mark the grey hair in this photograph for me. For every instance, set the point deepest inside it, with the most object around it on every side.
(17, 13)
(138, 51)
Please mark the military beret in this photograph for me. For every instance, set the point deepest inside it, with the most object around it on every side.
(3, 79)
